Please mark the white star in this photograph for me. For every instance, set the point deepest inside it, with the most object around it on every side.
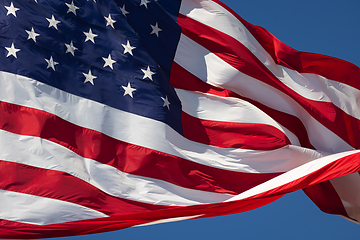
(51, 63)
(70, 48)
(128, 90)
(109, 62)
(155, 29)
(94, 1)
(90, 36)
(32, 34)
(110, 21)
(12, 51)
(72, 7)
(147, 73)
(89, 77)
(124, 12)
(166, 102)
(53, 22)
(11, 9)
(144, 2)
(128, 48)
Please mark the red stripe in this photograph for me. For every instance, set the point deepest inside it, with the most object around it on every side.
(10, 229)
(182, 79)
(228, 49)
(16, 230)
(233, 135)
(65, 187)
(341, 167)
(126, 157)
(338, 168)
(237, 55)
(323, 195)
(326, 66)
(326, 198)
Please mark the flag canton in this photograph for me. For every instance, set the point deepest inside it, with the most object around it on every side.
(118, 53)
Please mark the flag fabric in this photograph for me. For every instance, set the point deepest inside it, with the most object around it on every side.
(124, 113)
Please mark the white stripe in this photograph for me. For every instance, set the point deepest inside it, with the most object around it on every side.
(291, 136)
(142, 131)
(348, 189)
(215, 71)
(210, 107)
(168, 220)
(45, 154)
(341, 95)
(293, 175)
(217, 17)
(310, 86)
(204, 64)
(37, 210)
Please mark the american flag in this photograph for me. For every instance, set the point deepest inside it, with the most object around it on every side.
(127, 113)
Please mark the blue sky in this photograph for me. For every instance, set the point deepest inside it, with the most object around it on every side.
(323, 26)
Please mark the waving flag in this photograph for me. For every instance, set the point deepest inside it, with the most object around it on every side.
(135, 112)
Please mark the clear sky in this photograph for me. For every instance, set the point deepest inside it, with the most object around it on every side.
(330, 27)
